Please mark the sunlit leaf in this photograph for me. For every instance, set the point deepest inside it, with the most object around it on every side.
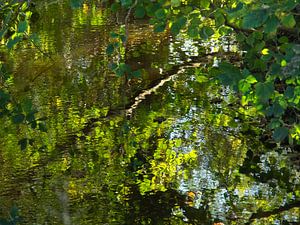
(251, 79)
(265, 51)
(205, 4)
(244, 86)
(175, 3)
(283, 63)
(288, 21)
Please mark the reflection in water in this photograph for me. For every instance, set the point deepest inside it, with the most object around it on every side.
(186, 155)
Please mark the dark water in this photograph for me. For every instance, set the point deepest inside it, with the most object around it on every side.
(171, 147)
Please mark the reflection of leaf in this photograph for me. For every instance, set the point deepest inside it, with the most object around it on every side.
(159, 28)
(23, 143)
(110, 49)
(18, 118)
(137, 73)
(22, 26)
(12, 42)
(280, 134)
(139, 12)
(76, 3)
(42, 127)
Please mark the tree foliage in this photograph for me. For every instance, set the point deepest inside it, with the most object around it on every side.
(268, 34)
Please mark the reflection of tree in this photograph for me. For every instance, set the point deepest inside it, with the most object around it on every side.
(263, 214)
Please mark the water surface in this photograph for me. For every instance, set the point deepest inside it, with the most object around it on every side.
(170, 147)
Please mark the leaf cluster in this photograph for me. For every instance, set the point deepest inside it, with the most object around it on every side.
(268, 34)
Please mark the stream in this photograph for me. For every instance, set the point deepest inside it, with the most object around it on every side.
(169, 147)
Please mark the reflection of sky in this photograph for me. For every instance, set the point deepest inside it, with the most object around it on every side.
(182, 44)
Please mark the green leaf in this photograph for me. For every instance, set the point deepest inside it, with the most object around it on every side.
(139, 12)
(18, 118)
(205, 4)
(137, 73)
(76, 3)
(115, 7)
(178, 25)
(42, 126)
(30, 117)
(4, 97)
(264, 91)
(23, 143)
(22, 26)
(271, 24)
(251, 79)
(35, 39)
(175, 3)
(160, 14)
(201, 78)
(159, 28)
(110, 49)
(33, 124)
(280, 133)
(283, 39)
(4, 222)
(27, 105)
(289, 92)
(193, 32)
(206, 32)
(219, 19)
(126, 3)
(244, 86)
(274, 123)
(254, 19)
(114, 35)
(288, 21)
(229, 75)
(12, 42)
(278, 110)
(237, 8)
